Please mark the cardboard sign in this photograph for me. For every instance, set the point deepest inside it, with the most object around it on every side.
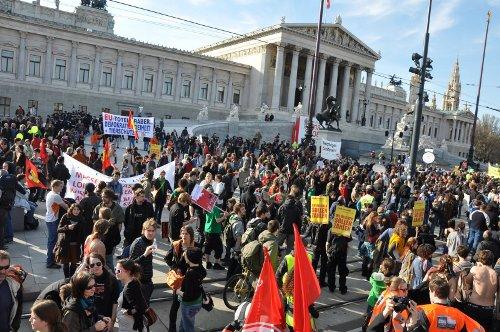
(343, 220)
(330, 150)
(203, 198)
(156, 149)
(320, 212)
(418, 213)
(493, 171)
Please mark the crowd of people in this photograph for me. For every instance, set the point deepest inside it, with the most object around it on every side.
(438, 275)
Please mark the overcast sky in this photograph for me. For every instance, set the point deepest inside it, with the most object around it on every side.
(395, 27)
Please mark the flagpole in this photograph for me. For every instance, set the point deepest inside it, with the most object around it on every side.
(314, 79)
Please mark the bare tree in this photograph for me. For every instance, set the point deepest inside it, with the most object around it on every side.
(487, 140)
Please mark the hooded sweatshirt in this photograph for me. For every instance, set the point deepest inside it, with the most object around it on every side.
(378, 286)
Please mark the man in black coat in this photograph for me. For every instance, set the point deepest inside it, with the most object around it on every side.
(8, 187)
(61, 172)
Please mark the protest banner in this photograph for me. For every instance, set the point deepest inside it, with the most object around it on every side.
(81, 174)
(203, 198)
(156, 149)
(343, 220)
(299, 129)
(330, 150)
(319, 210)
(118, 125)
(493, 171)
(418, 213)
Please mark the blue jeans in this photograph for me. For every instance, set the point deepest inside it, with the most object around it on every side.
(9, 231)
(158, 211)
(51, 240)
(475, 236)
(188, 315)
(109, 260)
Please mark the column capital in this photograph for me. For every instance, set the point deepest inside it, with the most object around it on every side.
(346, 63)
(161, 61)
(23, 34)
(121, 53)
(141, 56)
(98, 49)
(336, 61)
(357, 67)
(369, 70)
(50, 39)
(74, 44)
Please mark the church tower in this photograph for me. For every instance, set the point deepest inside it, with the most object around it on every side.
(414, 86)
(451, 99)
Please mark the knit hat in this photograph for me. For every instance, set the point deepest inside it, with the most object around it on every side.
(194, 255)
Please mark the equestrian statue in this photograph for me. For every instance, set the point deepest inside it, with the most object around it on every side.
(330, 114)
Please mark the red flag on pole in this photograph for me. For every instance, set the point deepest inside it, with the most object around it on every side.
(131, 124)
(266, 311)
(32, 176)
(106, 158)
(328, 2)
(43, 151)
(305, 288)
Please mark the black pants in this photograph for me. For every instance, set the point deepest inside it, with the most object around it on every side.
(172, 316)
(338, 262)
(147, 290)
(3, 220)
(213, 242)
(69, 269)
(482, 315)
(320, 257)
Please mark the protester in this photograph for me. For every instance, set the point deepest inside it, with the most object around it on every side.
(11, 280)
(68, 247)
(135, 215)
(8, 188)
(46, 317)
(54, 203)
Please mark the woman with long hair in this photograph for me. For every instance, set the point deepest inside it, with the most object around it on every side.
(175, 260)
(69, 242)
(370, 225)
(131, 302)
(94, 242)
(46, 317)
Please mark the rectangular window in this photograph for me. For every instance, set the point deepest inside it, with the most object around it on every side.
(167, 86)
(128, 80)
(7, 61)
(236, 96)
(106, 76)
(186, 89)
(60, 70)
(148, 83)
(204, 91)
(58, 107)
(5, 106)
(34, 69)
(220, 94)
(435, 132)
(84, 74)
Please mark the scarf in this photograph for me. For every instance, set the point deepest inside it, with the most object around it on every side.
(86, 304)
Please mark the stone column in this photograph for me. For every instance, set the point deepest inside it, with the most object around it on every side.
(245, 101)
(178, 82)
(196, 84)
(355, 95)
(21, 60)
(229, 97)
(213, 90)
(345, 91)
(97, 68)
(278, 77)
(307, 85)
(292, 86)
(119, 72)
(454, 131)
(334, 77)
(321, 85)
(159, 78)
(73, 65)
(47, 70)
(368, 92)
(138, 85)
(469, 127)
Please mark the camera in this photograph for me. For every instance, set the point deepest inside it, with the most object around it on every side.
(400, 303)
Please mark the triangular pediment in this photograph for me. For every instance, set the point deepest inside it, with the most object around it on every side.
(335, 34)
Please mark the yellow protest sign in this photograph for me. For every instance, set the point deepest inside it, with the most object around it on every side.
(343, 220)
(418, 213)
(493, 171)
(156, 149)
(319, 209)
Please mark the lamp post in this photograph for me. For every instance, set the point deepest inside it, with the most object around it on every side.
(426, 63)
(314, 79)
(363, 118)
(470, 156)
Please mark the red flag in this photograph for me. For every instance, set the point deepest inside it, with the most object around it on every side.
(328, 4)
(106, 160)
(305, 288)
(266, 311)
(32, 177)
(131, 124)
(43, 151)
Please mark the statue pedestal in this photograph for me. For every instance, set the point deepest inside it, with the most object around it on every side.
(232, 128)
(329, 135)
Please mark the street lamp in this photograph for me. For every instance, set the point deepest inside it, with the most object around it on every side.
(363, 118)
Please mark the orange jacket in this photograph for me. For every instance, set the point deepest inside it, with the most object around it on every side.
(396, 324)
(441, 318)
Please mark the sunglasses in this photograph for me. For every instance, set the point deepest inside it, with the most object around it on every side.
(98, 264)
(6, 267)
(90, 287)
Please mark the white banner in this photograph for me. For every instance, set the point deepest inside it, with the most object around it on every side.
(330, 150)
(118, 125)
(302, 128)
(82, 174)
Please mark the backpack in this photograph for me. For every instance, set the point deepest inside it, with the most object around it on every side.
(227, 234)
(463, 291)
(252, 257)
(252, 234)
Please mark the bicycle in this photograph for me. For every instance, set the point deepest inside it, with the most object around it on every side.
(238, 289)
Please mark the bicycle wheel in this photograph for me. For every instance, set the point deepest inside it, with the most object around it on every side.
(237, 290)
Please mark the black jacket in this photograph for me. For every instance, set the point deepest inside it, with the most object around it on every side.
(61, 172)
(192, 283)
(87, 205)
(178, 215)
(291, 212)
(135, 215)
(76, 319)
(137, 250)
(9, 186)
(134, 303)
